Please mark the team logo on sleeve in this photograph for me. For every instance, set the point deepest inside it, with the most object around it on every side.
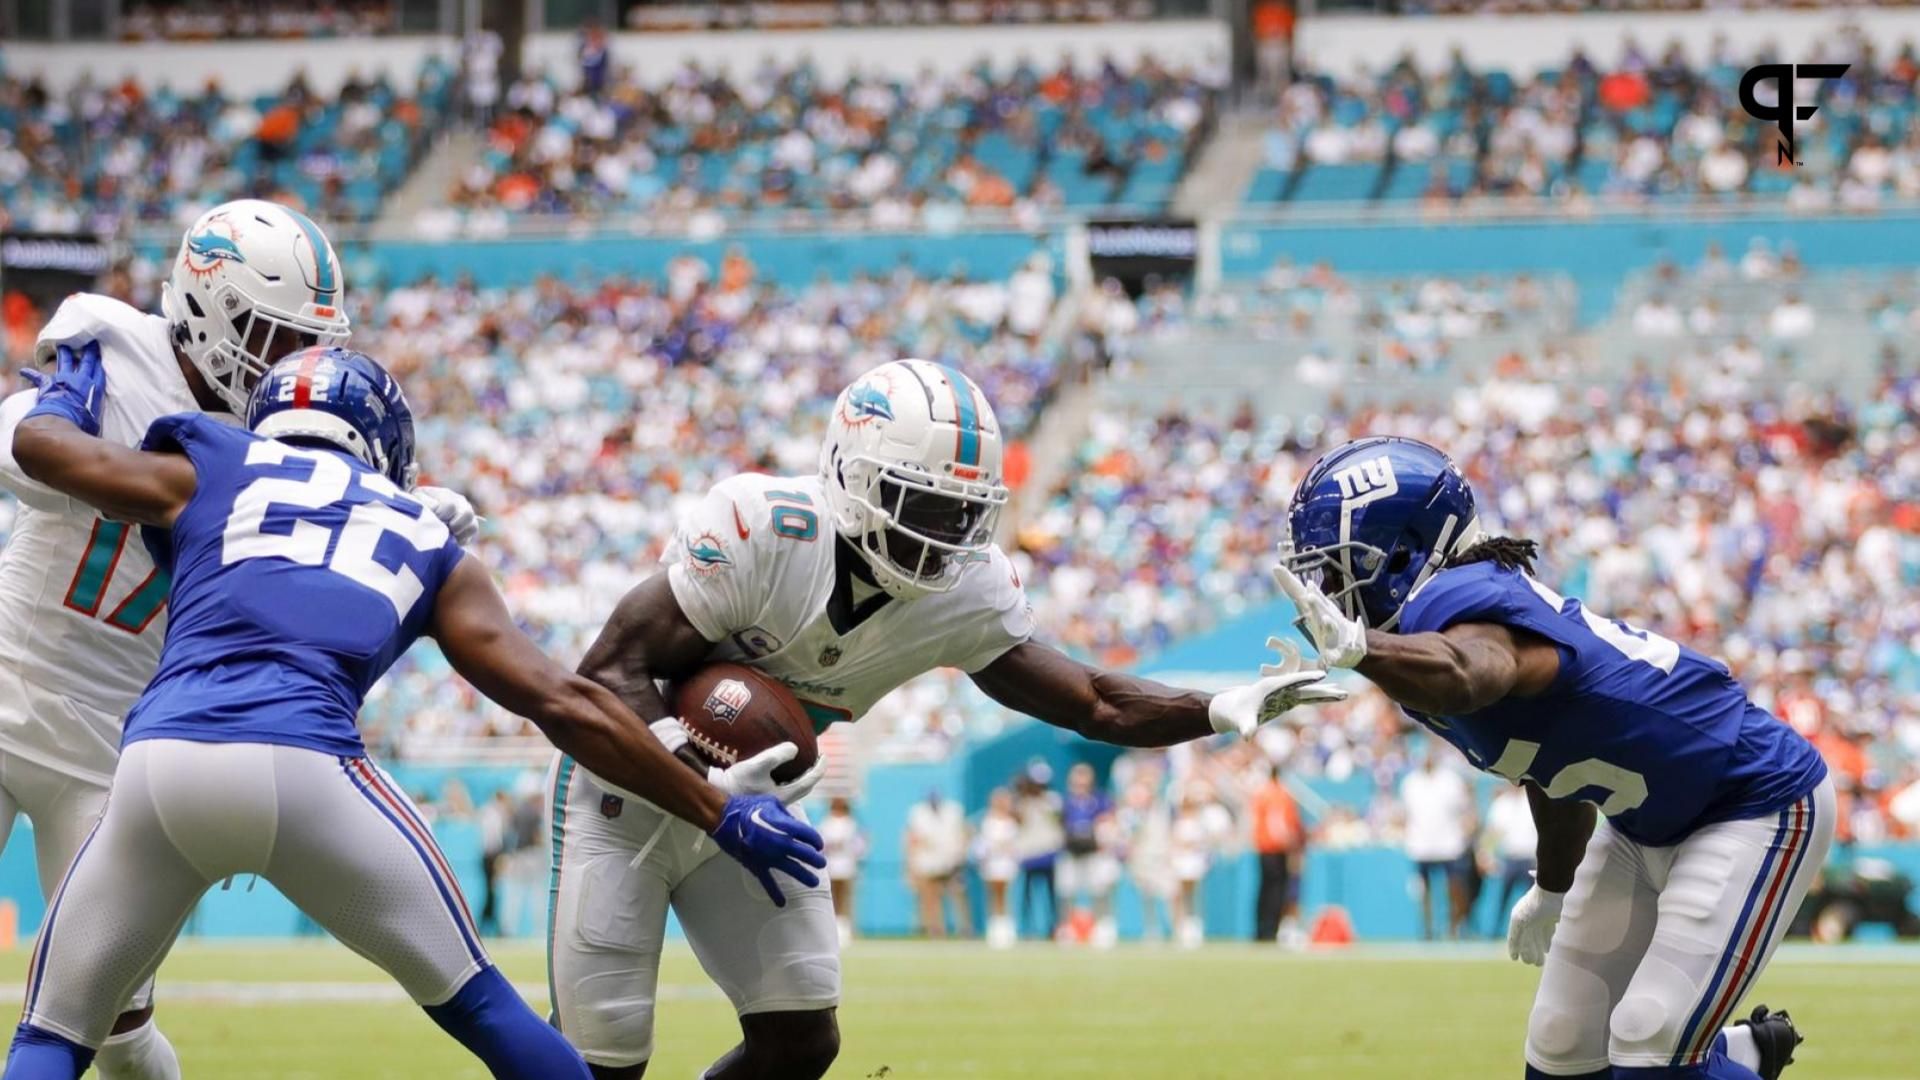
(867, 401)
(728, 700)
(707, 555)
(756, 642)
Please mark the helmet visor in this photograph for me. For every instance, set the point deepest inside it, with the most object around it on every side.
(1338, 570)
(933, 524)
(262, 336)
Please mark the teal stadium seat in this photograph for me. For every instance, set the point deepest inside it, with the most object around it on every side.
(1337, 183)
(1267, 187)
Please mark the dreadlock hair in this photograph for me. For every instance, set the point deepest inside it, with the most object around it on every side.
(1506, 551)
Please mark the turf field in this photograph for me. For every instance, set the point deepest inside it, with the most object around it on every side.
(282, 1012)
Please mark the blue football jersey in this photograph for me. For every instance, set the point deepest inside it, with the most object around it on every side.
(1661, 738)
(299, 576)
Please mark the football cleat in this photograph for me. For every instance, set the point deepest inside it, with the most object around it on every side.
(1775, 1036)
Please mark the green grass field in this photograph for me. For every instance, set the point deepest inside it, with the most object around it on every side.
(281, 1012)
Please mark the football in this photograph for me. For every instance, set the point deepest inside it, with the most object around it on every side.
(732, 712)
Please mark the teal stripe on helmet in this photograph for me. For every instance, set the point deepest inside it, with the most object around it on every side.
(969, 452)
(326, 280)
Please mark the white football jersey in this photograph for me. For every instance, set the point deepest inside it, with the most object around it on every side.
(754, 569)
(82, 607)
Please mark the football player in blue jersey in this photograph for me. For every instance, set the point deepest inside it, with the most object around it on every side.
(1713, 816)
(302, 568)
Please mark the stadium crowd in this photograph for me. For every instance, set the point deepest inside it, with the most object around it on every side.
(783, 143)
(102, 157)
(1656, 124)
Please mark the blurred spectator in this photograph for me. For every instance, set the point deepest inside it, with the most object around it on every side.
(1280, 842)
(1439, 809)
(936, 838)
(596, 59)
(845, 847)
(1039, 843)
(997, 852)
(1147, 831)
(1200, 827)
(1512, 842)
(1088, 870)
(497, 838)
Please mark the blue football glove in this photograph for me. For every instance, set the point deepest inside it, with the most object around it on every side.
(764, 837)
(75, 391)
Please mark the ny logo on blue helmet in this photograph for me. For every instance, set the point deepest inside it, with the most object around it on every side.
(342, 398)
(1374, 519)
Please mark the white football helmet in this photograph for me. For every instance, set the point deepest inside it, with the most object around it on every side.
(911, 465)
(254, 281)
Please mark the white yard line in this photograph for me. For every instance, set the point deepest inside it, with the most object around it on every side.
(335, 993)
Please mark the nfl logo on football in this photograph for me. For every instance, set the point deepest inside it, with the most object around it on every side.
(728, 700)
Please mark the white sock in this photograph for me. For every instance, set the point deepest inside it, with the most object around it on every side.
(140, 1054)
(1741, 1049)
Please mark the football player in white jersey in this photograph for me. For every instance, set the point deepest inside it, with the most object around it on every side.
(82, 607)
(843, 585)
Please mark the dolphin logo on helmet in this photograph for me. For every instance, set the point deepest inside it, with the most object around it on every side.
(214, 248)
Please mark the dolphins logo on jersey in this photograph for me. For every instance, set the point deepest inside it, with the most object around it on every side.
(869, 400)
(728, 700)
(707, 555)
(208, 249)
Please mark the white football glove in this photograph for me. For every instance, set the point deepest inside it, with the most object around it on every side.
(754, 776)
(1530, 927)
(671, 733)
(453, 510)
(1241, 709)
(1340, 641)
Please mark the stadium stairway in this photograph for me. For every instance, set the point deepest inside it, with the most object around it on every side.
(1225, 167)
(1058, 430)
(427, 188)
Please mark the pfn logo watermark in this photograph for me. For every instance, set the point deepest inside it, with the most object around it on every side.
(1783, 111)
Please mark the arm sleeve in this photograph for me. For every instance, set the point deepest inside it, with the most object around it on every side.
(23, 487)
(712, 571)
(1008, 620)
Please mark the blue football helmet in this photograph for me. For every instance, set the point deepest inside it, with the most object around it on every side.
(342, 398)
(1374, 519)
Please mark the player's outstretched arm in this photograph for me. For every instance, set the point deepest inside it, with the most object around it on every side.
(1050, 686)
(1126, 710)
(583, 718)
(1452, 672)
(57, 444)
(1459, 670)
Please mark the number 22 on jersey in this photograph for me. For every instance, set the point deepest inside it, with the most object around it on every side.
(306, 542)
